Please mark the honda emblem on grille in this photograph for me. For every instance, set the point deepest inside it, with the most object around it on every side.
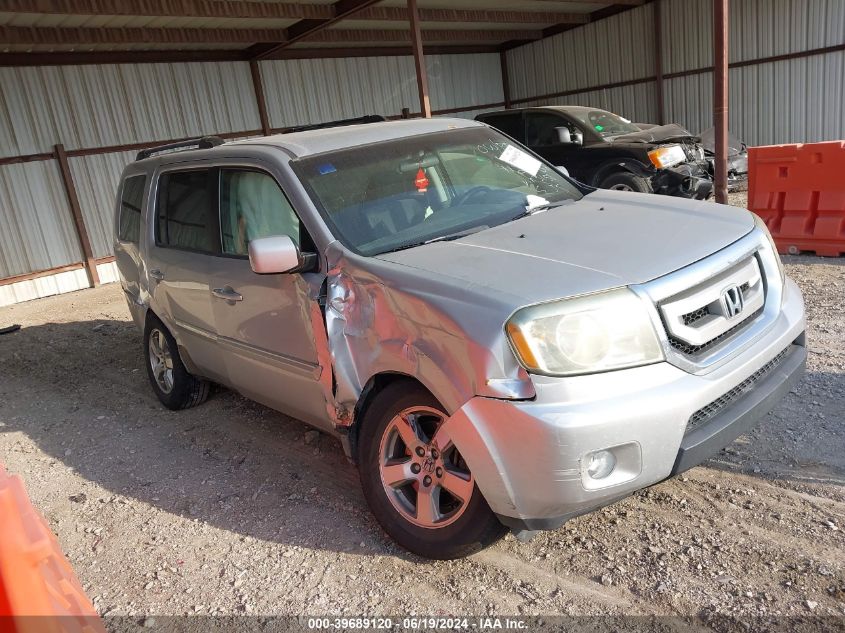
(733, 301)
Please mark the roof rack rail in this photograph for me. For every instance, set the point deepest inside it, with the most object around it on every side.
(370, 118)
(204, 142)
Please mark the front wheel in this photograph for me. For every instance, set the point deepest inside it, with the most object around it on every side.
(626, 181)
(415, 480)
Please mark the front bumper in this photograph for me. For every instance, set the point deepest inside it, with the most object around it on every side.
(527, 457)
(687, 180)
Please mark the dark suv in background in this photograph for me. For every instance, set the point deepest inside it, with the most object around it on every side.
(604, 150)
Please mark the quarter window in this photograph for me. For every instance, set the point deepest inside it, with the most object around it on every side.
(129, 224)
(187, 211)
(251, 206)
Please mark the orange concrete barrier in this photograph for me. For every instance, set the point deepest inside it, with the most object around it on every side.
(799, 191)
(39, 593)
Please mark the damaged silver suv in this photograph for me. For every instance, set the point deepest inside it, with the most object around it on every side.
(495, 345)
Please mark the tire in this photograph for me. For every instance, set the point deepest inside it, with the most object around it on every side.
(626, 181)
(185, 390)
(454, 527)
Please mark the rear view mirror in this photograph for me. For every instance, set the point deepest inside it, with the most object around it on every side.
(275, 254)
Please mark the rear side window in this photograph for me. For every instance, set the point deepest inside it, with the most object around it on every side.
(131, 198)
(510, 124)
(187, 211)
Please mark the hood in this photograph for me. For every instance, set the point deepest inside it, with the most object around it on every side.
(708, 142)
(657, 134)
(605, 240)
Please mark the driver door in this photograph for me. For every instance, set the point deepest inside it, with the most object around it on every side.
(264, 321)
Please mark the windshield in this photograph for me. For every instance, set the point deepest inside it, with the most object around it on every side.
(605, 124)
(401, 193)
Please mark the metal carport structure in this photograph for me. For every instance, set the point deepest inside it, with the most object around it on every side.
(83, 83)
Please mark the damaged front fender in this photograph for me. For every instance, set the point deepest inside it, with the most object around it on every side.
(393, 321)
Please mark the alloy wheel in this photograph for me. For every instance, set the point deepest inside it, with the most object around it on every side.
(161, 360)
(423, 474)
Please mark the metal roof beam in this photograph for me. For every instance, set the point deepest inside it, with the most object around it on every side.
(166, 57)
(81, 37)
(75, 36)
(490, 16)
(340, 10)
(279, 10)
(428, 35)
(173, 8)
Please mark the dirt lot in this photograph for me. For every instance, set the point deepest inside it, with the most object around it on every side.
(231, 508)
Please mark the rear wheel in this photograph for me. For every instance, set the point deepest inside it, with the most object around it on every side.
(415, 480)
(626, 181)
(174, 386)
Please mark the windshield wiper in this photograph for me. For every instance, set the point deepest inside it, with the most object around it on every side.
(541, 207)
(443, 238)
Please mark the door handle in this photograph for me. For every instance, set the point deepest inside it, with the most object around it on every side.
(156, 274)
(227, 294)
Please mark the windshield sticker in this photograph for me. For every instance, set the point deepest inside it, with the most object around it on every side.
(326, 168)
(519, 159)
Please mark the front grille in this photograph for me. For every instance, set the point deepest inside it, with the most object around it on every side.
(693, 350)
(705, 413)
(697, 321)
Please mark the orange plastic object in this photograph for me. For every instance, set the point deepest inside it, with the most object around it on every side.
(39, 593)
(799, 191)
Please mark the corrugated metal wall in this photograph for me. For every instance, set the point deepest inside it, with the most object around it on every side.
(97, 106)
(305, 91)
(36, 229)
(798, 100)
(614, 50)
(789, 101)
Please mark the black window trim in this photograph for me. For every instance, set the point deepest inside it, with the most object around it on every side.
(144, 193)
(215, 171)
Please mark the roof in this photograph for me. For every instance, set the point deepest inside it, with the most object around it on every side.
(273, 29)
(334, 138)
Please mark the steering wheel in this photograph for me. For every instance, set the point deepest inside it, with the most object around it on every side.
(470, 193)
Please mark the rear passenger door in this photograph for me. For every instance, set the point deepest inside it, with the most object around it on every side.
(181, 255)
(264, 322)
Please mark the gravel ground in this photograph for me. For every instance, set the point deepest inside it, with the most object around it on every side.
(232, 508)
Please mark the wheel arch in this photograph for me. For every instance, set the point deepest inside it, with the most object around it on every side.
(375, 385)
(630, 166)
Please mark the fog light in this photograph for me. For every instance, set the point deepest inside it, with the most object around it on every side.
(600, 464)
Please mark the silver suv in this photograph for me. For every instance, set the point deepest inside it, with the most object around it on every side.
(495, 345)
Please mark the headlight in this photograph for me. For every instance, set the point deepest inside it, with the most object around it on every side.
(664, 157)
(593, 333)
(758, 221)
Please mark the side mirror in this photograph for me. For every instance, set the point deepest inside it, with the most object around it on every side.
(563, 135)
(563, 170)
(275, 254)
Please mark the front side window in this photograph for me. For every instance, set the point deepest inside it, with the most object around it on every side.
(131, 199)
(401, 193)
(187, 210)
(251, 206)
(541, 129)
